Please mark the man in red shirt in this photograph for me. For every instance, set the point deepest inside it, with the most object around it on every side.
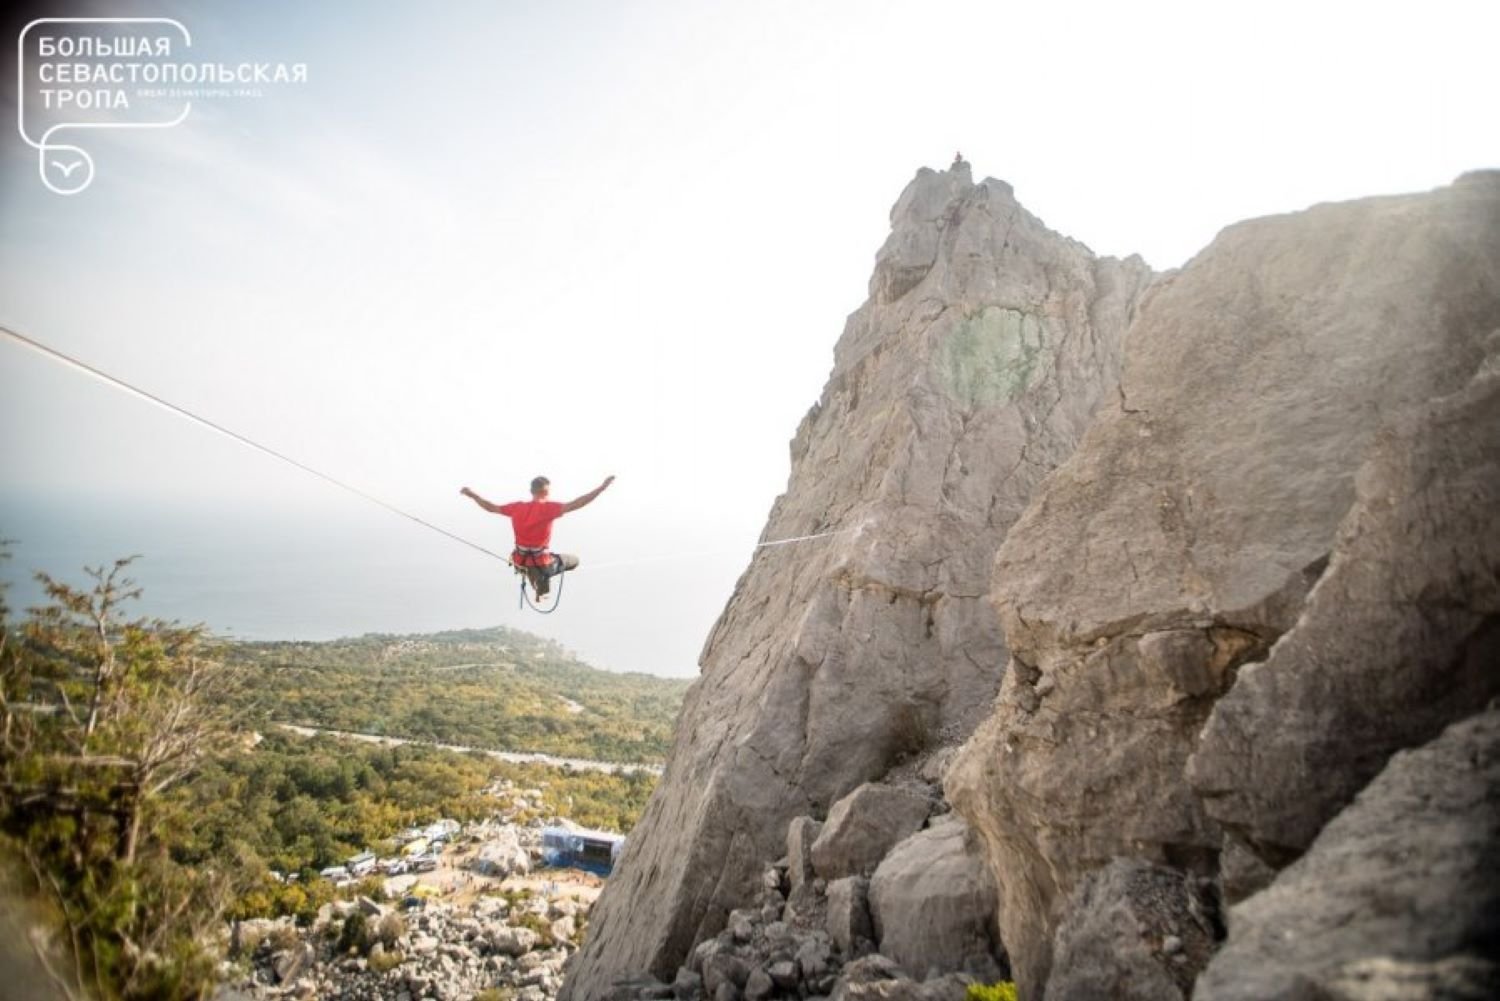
(532, 523)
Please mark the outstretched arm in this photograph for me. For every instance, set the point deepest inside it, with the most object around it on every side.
(588, 498)
(491, 508)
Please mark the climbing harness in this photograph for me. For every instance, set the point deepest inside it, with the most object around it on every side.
(528, 603)
(532, 564)
(519, 566)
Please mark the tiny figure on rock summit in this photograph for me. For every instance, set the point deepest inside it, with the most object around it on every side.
(532, 523)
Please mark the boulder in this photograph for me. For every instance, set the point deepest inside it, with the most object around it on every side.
(724, 968)
(509, 941)
(865, 825)
(849, 921)
(813, 958)
(783, 974)
(878, 978)
(1398, 895)
(502, 855)
(872, 969)
(985, 347)
(800, 835)
(292, 963)
(687, 986)
(773, 882)
(933, 904)
(701, 953)
(1133, 932)
(759, 985)
(1182, 538)
(742, 925)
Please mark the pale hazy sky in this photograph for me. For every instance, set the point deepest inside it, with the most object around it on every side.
(653, 217)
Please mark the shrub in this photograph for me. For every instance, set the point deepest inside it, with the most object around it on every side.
(538, 924)
(391, 928)
(355, 935)
(281, 938)
(911, 734)
(1005, 990)
(372, 887)
(385, 962)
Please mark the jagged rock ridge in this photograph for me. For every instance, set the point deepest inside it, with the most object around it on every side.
(984, 349)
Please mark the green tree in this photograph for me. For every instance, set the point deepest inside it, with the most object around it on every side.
(102, 720)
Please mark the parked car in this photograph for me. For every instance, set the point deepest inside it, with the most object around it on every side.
(360, 864)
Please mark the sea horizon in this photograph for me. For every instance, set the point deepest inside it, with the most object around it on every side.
(312, 576)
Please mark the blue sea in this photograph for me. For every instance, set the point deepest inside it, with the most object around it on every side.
(346, 570)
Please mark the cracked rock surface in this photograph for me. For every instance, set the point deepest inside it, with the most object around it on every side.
(1182, 539)
(986, 346)
(1400, 638)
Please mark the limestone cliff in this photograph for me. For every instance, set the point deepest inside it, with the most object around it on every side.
(1196, 554)
(985, 347)
(1255, 561)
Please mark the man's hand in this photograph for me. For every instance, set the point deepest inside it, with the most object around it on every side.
(578, 502)
(492, 508)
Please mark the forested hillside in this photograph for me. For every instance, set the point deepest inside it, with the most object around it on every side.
(143, 795)
(499, 689)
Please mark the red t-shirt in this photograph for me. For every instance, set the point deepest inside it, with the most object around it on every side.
(532, 521)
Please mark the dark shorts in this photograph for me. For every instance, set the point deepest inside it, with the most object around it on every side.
(557, 564)
(561, 562)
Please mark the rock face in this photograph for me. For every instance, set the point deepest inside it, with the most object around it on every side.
(1183, 538)
(1400, 637)
(1399, 896)
(933, 903)
(986, 346)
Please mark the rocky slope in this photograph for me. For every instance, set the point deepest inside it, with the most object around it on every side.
(984, 349)
(1223, 545)
(368, 951)
(871, 878)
